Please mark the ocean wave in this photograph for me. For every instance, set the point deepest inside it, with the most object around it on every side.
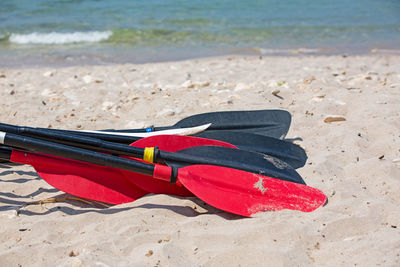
(59, 38)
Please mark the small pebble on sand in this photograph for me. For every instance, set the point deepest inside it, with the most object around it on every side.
(330, 119)
(275, 92)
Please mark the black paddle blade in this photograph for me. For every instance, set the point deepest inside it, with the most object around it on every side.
(292, 154)
(242, 160)
(273, 123)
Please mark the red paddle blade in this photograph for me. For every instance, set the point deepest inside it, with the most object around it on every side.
(245, 193)
(81, 179)
(169, 143)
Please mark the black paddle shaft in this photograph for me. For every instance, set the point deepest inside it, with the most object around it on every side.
(123, 139)
(71, 138)
(80, 154)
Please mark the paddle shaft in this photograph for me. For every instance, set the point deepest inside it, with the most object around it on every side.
(75, 153)
(106, 137)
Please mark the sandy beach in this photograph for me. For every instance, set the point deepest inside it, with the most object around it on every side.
(355, 161)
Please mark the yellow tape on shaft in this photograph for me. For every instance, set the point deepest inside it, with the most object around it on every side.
(148, 154)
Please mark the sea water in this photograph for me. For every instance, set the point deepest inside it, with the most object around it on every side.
(68, 32)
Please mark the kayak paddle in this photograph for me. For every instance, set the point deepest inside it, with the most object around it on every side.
(232, 190)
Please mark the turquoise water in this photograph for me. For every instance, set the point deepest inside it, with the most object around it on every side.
(101, 31)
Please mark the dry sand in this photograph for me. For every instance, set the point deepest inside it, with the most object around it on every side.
(356, 162)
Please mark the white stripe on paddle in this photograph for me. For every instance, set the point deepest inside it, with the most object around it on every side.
(178, 131)
(2, 136)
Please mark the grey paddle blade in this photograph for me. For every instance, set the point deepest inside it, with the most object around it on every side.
(292, 154)
(273, 123)
(242, 160)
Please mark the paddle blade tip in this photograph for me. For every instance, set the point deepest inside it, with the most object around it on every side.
(245, 193)
(304, 202)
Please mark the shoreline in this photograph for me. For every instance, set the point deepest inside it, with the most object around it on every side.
(108, 57)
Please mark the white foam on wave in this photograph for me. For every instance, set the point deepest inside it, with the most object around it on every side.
(59, 38)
